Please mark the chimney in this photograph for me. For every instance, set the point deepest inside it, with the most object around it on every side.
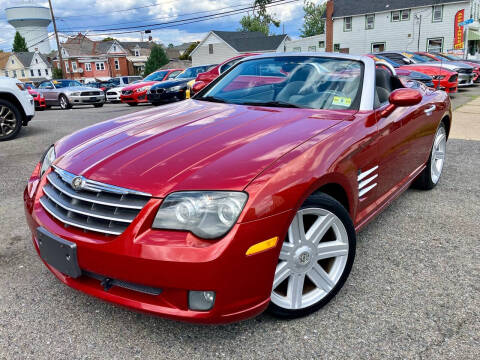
(329, 26)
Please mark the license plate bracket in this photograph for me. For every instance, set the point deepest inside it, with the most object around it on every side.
(59, 253)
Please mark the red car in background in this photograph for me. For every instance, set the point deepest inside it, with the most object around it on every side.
(137, 93)
(38, 98)
(443, 79)
(216, 208)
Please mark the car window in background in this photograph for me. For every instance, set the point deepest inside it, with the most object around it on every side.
(228, 65)
(305, 82)
(174, 74)
(45, 85)
(59, 84)
(115, 81)
(192, 72)
(420, 58)
(156, 76)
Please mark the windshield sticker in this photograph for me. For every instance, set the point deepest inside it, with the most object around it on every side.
(407, 55)
(342, 101)
(55, 82)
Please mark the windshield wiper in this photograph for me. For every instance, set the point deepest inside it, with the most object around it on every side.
(212, 99)
(271, 103)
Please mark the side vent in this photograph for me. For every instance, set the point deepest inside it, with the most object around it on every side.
(366, 181)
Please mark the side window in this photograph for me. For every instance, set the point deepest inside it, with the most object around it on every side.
(173, 74)
(383, 86)
(228, 65)
(125, 79)
(45, 85)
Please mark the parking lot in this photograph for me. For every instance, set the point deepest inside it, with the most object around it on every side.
(413, 291)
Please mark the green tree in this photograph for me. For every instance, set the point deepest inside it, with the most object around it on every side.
(170, 45)
(313, 22)
(186, 54)
(156, 60)
(19, 43)
(109, 39)
(57, 73)
(260, 20)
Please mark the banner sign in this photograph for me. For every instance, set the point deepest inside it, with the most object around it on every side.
(458, 42)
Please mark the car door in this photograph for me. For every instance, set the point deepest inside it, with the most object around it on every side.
(45, 88)
(394, 132)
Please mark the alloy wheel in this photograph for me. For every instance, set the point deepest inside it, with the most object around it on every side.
(63, 102)
(438, 154)
(312, 259)
(8, 121)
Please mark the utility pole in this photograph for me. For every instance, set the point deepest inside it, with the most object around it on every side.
(56, 36)
(419, 32)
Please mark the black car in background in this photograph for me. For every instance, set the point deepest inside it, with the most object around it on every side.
(174, 90)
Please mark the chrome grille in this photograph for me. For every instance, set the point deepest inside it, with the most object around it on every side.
(95, 206)
(157, 91)
(90, 93)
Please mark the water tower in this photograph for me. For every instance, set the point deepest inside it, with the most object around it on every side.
(31, 21)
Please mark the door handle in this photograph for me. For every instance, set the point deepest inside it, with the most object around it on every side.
(430, 110)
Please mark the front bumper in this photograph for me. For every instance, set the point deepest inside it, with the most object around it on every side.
(77, 100)
(172, 261)
(166, 96)
(136, 97)
(40, 102)
(447, 86)
(112, 97)
(465, 79)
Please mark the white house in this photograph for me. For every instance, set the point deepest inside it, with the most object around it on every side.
(28, 66)
(219, 46)
(311, 44)
(360, 27)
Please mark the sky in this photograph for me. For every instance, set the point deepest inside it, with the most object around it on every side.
(87, 15)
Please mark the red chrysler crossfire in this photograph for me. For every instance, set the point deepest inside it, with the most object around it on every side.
(242, 199)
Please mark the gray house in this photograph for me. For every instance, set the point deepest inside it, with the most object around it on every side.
(219, 46)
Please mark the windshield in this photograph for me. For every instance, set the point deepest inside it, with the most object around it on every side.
(300, 81)
(65, 83)
(156, 76)
(449, 57)
(420, 58)
(192, 72)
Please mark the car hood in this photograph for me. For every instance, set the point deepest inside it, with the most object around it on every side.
(171, 83)
(79, 88)
(139, 85)
(192, 145)
(448, 65)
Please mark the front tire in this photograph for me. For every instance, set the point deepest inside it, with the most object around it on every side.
(132, 104)
(430, 176)
(10, 120)
(64, 103)
(98, 105)
(315, 259)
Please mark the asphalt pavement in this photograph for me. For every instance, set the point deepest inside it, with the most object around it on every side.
(413, 292)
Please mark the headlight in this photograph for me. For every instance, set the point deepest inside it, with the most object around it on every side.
(75, 94)
(47, 160)
(144, 88)
(207, 214)
(438, 77)
(176, 88)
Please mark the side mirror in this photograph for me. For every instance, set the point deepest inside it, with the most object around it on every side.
(402, 98)
(199, 85)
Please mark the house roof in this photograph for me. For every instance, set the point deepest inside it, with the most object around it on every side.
(344, 8)
(250, 41)
(183, 47)
(26, 58)
(4, 59)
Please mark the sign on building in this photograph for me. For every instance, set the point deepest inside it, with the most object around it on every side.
(459, 42)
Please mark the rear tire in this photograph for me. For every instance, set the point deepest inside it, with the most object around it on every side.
(98, 105)
(10, 120)
(315, 260)
(132, 104)
(430, 176)
(64, 103)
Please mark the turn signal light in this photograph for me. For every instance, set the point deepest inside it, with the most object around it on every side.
(262, 246)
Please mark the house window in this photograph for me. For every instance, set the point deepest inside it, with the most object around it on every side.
(6, 73)
(32, 73)
(14, 73)
(435, 45)
(297, 49)
(88, 67)
(114, 48)
(405, 15)
(370, 22)
(378, 47)
(46, 71)
(74, 66)
(39, 72)
(210, 48)
(100, 65)
(321, 44)
(66, 67)
(395, 16)
(117, 64)
(312, 48)
(36, 61)
(336, 47)
(23, 73)
(437, 14)
(347, 24)
(137, 53)
(13, 61)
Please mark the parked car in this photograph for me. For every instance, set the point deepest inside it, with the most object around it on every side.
(465, 72)
(68, 93)
(406, 73)
(124, 80)
(38, 99)
(442, 78)
(244, 198)
(136, 93)
(16, 107)
(207, 77)
(113, 95)
(476, 66)
(175, 90)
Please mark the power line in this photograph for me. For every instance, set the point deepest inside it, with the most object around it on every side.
(185, 21)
